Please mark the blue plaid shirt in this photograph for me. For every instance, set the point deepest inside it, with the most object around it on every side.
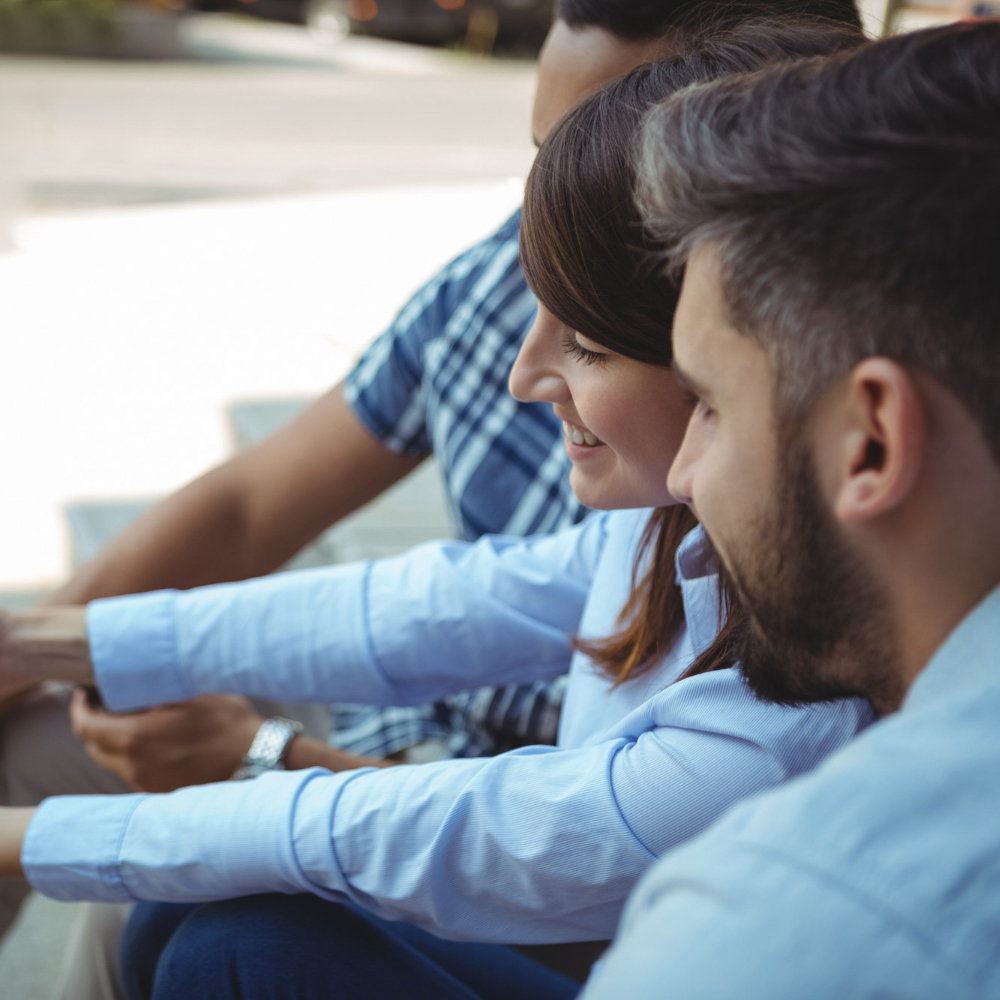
(436, 382)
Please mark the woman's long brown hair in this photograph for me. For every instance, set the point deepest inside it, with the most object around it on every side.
(588, 259)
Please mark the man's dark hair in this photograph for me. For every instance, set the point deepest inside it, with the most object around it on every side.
(854, 201)
(644, 19)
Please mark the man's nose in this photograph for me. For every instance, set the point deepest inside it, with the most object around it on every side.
(680, 473)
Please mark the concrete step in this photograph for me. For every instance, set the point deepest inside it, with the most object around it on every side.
(413, 511)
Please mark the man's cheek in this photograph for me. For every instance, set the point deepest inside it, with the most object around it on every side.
(712, 502)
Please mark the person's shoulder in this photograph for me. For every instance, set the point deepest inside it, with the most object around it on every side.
(509, 231)
(500, 246)
(910, 780)
(744, 922)
(901, 822)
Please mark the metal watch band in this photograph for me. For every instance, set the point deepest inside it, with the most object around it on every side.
(267, 752)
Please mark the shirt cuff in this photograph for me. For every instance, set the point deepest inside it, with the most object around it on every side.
(133, 650)
(72, 846)
(201, 843)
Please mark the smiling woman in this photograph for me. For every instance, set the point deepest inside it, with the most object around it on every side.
(600, 350)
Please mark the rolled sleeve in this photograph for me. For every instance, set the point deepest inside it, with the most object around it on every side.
(72, 847)
(133, 646)
(444, 617)
(198, 844)
(291, 637)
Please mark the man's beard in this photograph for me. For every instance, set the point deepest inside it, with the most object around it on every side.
(818, 626)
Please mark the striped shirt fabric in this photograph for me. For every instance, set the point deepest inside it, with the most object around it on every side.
(436, 383)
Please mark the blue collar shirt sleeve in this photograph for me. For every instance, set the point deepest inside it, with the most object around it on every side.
(444, 617)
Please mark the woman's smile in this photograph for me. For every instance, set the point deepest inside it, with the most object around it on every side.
(580, 443)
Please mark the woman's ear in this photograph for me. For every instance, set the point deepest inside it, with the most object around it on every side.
(884, 437)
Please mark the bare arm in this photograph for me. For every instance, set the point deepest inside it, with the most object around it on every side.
(13, 826)
(252, 514)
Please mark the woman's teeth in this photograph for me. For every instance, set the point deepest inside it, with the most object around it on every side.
(578, 436)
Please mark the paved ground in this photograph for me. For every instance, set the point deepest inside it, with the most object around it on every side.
(267, 112)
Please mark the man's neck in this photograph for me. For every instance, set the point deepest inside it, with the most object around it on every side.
(939, 553)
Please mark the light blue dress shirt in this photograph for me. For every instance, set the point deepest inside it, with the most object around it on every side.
(876, 876)
(542, 844)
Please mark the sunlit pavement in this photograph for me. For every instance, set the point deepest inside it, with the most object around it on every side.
(127, 329)
(126, 332)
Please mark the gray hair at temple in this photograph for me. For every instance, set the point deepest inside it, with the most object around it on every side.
(854, 202)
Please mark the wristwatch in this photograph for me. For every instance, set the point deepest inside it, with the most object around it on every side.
(267, 752)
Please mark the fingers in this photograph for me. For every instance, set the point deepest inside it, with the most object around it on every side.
(116, 764)
(87, 721)
(106, 738)
(97, 727)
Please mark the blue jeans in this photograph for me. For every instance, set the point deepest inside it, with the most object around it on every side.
(303, 948)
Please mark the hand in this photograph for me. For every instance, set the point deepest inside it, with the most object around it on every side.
(42, 645)
(13, 681)
(191, 743)
(13, 825)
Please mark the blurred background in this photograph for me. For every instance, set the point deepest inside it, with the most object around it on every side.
(200, 209)
(208, 208)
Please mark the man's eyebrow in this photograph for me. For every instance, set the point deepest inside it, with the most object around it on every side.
(687, 381)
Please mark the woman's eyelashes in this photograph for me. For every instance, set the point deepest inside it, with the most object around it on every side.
(580, 353)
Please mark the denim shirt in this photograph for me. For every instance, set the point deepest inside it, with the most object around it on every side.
(876, 876)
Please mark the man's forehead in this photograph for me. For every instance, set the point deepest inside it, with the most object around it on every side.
(699, 311)
(708, 352)
(575, 62)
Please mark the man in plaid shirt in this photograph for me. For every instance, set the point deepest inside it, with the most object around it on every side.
(434, 382)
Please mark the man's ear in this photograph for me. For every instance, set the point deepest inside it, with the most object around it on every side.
(883, 446)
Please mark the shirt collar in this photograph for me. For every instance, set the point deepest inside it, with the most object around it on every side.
(697, 576)
(966, 660)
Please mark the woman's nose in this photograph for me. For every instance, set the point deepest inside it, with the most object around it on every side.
(535, 377)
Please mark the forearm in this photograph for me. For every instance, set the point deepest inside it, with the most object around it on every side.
(250, 515)
(46, 644)
(197, 536)
(304, 751)
(13, 825)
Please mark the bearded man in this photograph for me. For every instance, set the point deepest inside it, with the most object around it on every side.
(839, 327)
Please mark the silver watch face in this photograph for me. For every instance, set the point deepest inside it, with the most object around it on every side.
(268, 748)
